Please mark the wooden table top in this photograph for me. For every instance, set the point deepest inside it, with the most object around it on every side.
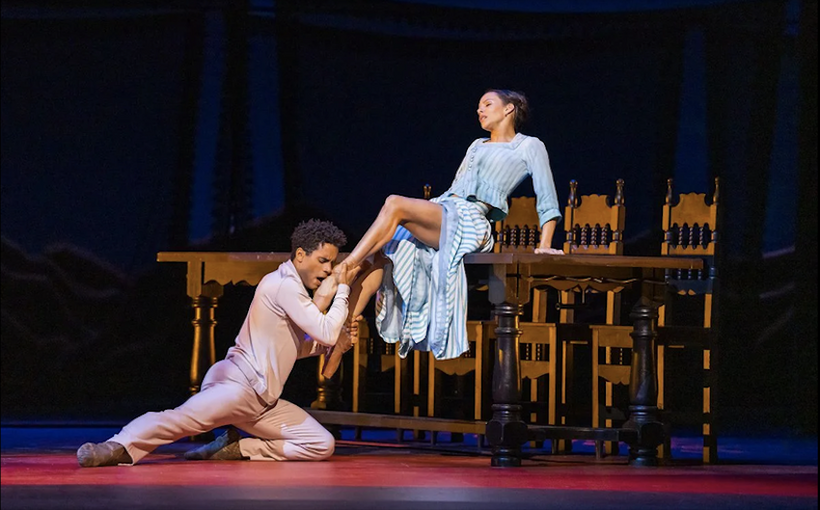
(657, 262)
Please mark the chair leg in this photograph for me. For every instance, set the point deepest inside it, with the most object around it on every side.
(416, 398)
(397, 386)
(596, 402)
(553, 378)
(533, 415)
(710, 452)
(566, 389)
(599, 450)
(611, 447)
(432, 387)
(664, 449)
(479, 374)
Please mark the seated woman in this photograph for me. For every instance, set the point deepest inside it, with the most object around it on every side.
(413, 251)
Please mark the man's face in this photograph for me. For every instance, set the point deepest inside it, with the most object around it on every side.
(317, 266)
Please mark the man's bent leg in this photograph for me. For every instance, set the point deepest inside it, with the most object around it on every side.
(286, 432)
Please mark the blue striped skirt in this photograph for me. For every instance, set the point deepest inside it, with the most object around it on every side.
(422, 303)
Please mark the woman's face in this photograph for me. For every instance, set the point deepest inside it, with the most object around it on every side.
(492, 110)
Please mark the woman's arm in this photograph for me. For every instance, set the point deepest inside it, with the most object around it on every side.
(545, 246)
(546, 197)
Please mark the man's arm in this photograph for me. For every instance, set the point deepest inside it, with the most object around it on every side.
(325, 293)
(349, 335)
(321, 327)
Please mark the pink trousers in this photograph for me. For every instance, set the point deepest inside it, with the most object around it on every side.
(282, 431)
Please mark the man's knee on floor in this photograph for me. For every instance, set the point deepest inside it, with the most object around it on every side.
(323, 447)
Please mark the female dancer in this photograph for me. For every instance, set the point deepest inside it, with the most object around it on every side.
(413, 251)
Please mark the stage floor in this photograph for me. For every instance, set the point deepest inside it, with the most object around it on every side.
(39, 470)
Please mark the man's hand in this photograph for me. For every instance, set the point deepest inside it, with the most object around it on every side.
(323, 296)
(327, 287)
(350, 334)
(345, 275)
(348, 337)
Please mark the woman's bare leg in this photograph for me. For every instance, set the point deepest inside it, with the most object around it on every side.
(366, 285)
(421, 217)
(361, 291)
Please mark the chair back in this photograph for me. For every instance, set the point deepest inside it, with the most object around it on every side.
(690, 226)
(519, 231)
(592, 224)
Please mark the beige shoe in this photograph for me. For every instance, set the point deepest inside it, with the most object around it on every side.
(108, 453)
(225, 447)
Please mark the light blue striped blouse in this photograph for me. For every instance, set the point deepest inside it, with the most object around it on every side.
(491, 171)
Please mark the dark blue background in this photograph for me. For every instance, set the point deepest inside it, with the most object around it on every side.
(129, 129)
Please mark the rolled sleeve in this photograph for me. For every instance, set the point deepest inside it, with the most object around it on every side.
(538, 164)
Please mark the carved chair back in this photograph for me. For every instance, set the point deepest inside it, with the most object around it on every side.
(594, 224)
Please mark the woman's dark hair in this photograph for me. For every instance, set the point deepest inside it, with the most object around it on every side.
(518, 100)
(311, 234)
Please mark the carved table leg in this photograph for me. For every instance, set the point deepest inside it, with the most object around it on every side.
(506, 432)
(204, 325)
(204, 329)
(329, 395)
(643, 387)
(328, 391)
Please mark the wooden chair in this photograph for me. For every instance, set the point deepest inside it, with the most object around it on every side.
(690, 228)
(597, 228)
(475, 361)
(593, 225)
(363, 352)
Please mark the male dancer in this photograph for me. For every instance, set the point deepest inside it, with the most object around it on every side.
(283, 324)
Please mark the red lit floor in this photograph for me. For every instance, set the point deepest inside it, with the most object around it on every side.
(39, 470)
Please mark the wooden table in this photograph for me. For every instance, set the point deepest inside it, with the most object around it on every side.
(511, 276)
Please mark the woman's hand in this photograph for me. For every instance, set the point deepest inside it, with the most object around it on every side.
(547, 230)
(548, 251)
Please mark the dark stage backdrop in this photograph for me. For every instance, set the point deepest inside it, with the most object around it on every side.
(128, 130)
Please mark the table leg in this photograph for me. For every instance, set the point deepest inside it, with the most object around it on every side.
(506, 431)
(204, 325)
(644, 417)
(328, 390)
(329, 395)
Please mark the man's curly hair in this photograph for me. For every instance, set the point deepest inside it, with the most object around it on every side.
(312, 234)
